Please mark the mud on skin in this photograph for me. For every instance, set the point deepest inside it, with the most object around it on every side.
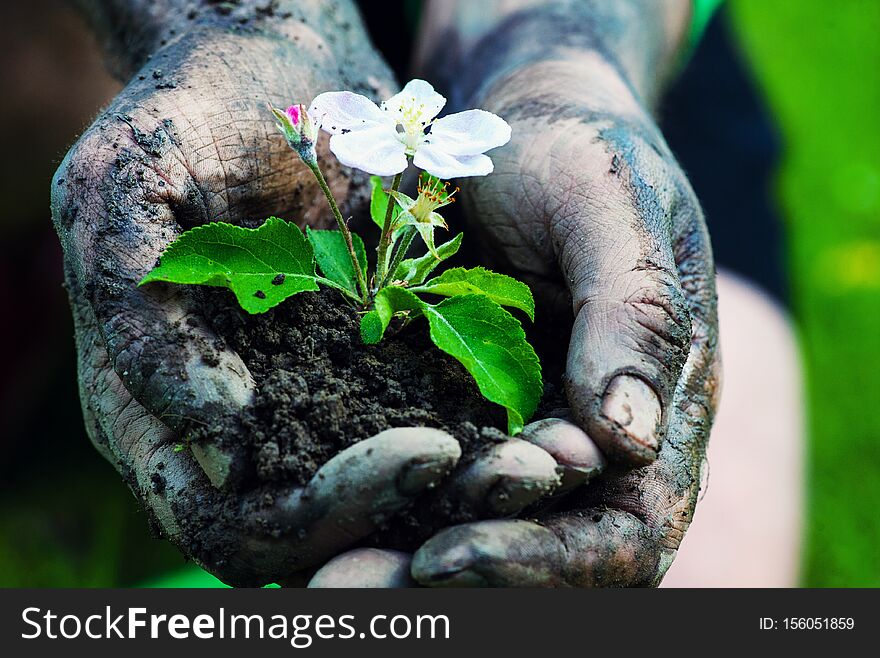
(152, 165)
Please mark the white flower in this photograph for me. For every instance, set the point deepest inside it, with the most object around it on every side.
(378, 140)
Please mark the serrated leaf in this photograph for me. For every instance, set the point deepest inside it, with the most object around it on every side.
(333, 258)
(416, 270)
(491, 344)
(262, 266)
(500, 288)
(379, 204)
(388, 301)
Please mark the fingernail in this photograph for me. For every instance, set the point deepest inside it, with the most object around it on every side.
(575, 476)
(418, 476)
(215, 462)
(634, 407)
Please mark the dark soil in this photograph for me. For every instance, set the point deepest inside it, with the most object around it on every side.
(320, 389)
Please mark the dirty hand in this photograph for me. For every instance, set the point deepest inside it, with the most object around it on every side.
(189, 140)
(588, 206)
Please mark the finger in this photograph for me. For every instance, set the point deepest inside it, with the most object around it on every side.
(505, 478)
(276, 535)
(356, 491)
(664, 494)
(367, 568)
(612, 234)
(589, 549)
(578, 457)
(169, 483)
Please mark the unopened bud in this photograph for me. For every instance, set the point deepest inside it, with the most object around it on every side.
(299, 130)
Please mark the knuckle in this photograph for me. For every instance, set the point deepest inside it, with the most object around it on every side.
(662, 496)
(109, 195)
(657, 307)
(609, 548)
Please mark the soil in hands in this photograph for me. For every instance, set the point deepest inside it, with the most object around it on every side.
(319, 389)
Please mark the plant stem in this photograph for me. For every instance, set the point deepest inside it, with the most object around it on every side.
(385, 239)
(399, 253)
(343, 228)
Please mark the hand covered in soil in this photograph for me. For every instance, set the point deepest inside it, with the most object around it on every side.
(589, 207)
(187, 141)
(589, 190)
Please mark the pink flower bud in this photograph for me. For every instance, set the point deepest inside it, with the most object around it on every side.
(299, 130)
(293, 113)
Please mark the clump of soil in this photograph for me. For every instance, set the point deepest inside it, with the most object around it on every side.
(320, 389)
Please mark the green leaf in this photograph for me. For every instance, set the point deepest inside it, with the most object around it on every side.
(372, 328)
(501, 289)
(389, 301)
(416, 270)
(492, 346)
(262, 266)
(379, 204)
(333, 258)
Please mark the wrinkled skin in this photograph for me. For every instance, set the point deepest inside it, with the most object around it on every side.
(189, 140)
(589, 207)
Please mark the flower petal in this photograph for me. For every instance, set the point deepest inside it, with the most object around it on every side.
(293, 113)
(469, 133)
(416, 93)
(442, 165)
(374, 149)
(338, 111)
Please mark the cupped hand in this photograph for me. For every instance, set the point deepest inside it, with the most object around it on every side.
(588, 206)
(190, 140)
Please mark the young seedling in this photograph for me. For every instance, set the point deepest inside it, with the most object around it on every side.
(266, 265)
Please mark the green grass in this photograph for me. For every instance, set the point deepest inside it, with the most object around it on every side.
(818, 64)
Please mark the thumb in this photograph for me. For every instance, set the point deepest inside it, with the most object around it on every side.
(632, 327)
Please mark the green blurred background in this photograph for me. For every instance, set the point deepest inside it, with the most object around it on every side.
(67, 520)
(819, 65)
